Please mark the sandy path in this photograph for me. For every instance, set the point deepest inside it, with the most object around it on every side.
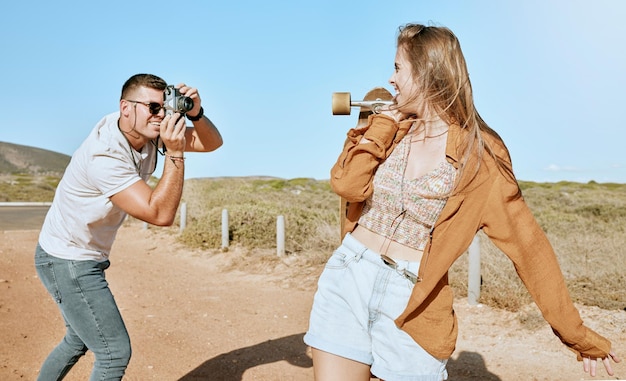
(192, 319)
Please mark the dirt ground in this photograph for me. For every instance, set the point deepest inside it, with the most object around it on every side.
(196, 315)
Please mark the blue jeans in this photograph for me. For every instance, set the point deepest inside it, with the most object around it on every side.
(91, 316)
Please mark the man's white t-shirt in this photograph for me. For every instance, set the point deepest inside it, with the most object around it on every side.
(82, 222)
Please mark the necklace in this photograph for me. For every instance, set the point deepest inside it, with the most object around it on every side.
(130, 149)
(414, 140)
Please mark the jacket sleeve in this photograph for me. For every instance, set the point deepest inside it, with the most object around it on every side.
(510, 224)
(352, 175)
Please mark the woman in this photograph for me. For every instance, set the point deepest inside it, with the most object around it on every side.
(422, 178)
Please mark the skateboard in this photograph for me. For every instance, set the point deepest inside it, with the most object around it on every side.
(342, 104)
(376, 98)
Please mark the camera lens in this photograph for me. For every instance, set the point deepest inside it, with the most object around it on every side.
(185, 104)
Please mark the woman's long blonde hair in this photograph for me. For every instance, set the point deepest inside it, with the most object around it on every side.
(440, 70)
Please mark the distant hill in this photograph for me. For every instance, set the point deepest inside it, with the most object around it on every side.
(19, 159)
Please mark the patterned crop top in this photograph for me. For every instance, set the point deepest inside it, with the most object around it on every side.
(405, 210)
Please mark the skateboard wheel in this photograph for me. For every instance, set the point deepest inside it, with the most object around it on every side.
(341, 103)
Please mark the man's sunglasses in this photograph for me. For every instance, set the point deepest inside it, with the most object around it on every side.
(153, 107)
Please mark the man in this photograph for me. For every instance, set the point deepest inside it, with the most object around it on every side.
(106, 180)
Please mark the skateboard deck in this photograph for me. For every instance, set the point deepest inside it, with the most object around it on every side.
(341, 105)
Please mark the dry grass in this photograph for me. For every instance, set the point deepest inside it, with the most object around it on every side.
(309, 208)
(27, 187)
(584, 222)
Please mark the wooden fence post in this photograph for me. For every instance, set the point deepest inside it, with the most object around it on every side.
(183, 216)
(280, 236)
(225, 235)
(473, 272)
(343, 209)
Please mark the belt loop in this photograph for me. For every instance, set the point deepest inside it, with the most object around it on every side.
(356, 247)
(359, 255)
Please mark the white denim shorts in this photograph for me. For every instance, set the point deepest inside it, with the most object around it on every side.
(353, 313)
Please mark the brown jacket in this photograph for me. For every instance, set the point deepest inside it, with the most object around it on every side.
(487, 200)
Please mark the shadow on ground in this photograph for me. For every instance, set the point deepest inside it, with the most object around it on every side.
(231, 366)
(469, 366)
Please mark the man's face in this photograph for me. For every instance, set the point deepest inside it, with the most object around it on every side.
(139, 107)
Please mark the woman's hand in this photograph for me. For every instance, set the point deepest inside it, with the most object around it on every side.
(393, 112)
(589, 364)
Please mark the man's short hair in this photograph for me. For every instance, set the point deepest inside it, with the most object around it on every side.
(142, 80)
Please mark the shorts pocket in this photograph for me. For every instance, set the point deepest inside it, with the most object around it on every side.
(340, 259)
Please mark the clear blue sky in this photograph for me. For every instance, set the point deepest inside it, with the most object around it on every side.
(548, 75)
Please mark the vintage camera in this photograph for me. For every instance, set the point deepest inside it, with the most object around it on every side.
(175, 102)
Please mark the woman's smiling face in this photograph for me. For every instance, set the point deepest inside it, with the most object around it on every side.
(405, 85)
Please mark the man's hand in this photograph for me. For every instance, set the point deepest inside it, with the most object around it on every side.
(173, 133)
(192, 93)
(203, 136)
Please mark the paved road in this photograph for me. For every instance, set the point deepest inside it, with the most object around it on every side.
(22, 217)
